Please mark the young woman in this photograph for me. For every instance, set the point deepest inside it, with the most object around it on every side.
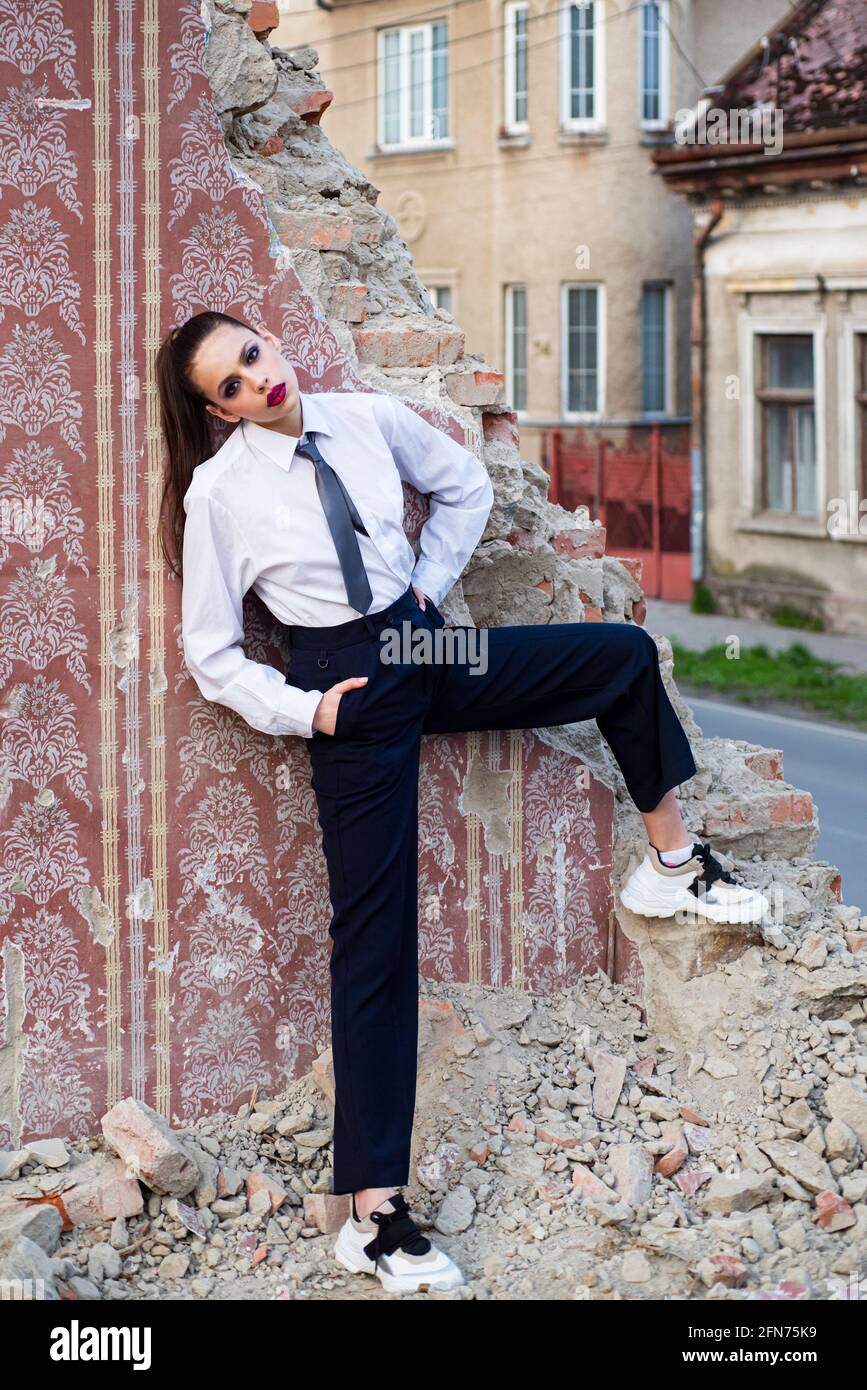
(303, 503)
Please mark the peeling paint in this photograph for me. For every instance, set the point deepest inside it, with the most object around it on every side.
(157, 676)
(485, 793)
(97, 915)
(141, 902)
(13, 1040)
(166, 964)
(123, 638)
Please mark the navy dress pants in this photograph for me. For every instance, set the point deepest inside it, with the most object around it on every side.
(365, 779)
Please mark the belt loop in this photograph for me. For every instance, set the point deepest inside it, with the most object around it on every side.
(323, 659)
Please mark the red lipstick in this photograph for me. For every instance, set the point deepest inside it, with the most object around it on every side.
(277, 394)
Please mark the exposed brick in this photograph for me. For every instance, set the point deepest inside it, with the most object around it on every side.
(273, 145)
(592, 615)
(326, 1211)
(395, 346)
(767, 763)
(347, 301)
(263, 16)
(522, 540)
(149, 1148)
(633, 565)
(856, 941)
(792, 808)
(668, 1165)
(311, 105)
(100, 1190)
(580, 545)
(833, 1213)
(310, 228)
(691, 1115)
(257, 1181)
(501, 426)
(475, 387)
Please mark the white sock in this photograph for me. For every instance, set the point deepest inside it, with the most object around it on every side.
(672, 857)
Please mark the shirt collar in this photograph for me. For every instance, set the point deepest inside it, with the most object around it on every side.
(281, 447)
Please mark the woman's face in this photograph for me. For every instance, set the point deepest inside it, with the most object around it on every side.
(245, 376)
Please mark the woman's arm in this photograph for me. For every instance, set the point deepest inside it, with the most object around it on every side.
(218, 570)
(459, 489)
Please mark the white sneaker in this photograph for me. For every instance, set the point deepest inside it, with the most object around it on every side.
(700, 888)
(390, 1245)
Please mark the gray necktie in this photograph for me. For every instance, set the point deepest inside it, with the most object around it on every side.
(343, 521)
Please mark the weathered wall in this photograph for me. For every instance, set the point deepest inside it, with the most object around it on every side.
(163, 892)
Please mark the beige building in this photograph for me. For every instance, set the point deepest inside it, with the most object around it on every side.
(781, 424)
(510, 140)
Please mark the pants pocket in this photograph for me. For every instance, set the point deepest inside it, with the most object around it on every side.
(432, 613)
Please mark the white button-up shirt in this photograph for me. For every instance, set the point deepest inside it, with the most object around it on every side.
(254, 520)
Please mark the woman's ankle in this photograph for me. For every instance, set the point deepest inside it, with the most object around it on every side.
(369, 1198)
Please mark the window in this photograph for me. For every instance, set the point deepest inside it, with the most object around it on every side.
(516, 345)
(413, 85)
(861, 411)
(583, 349)
(655, 349)
(515, 85)
(654, 65)
(582, 65)
(788, 423)
(441, 296)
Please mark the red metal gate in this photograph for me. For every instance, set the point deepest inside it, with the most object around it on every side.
(636, 479)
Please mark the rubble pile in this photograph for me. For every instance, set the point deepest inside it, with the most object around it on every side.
(699, 1132)
(562, 1149)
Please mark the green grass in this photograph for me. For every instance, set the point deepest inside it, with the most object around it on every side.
(794, 675)
(794, 617)
(702, 600)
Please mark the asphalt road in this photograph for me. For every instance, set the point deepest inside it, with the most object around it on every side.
(826, 760)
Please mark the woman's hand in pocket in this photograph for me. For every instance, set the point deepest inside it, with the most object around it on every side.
(420, 600)
(325, 714)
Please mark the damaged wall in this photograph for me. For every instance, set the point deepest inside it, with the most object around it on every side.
(163, 893)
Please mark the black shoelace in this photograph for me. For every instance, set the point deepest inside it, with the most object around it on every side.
(395, 1229)
(712, 870)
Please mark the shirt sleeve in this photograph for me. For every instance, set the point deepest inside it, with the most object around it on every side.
(217, 572)
(459, 492)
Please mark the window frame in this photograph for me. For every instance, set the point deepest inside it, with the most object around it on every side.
(511, 124)
(596, 122)
(406, 141)
(852, 415)
(437, 289)
(669, 354)
(520, 411)
(755, 516)
(583, 416)
(791, 398)
(663, 120)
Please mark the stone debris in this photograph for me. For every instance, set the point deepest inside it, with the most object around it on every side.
(706, 1141)
(684, 1190)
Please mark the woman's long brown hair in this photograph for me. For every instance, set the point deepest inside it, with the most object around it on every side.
(188, 428)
